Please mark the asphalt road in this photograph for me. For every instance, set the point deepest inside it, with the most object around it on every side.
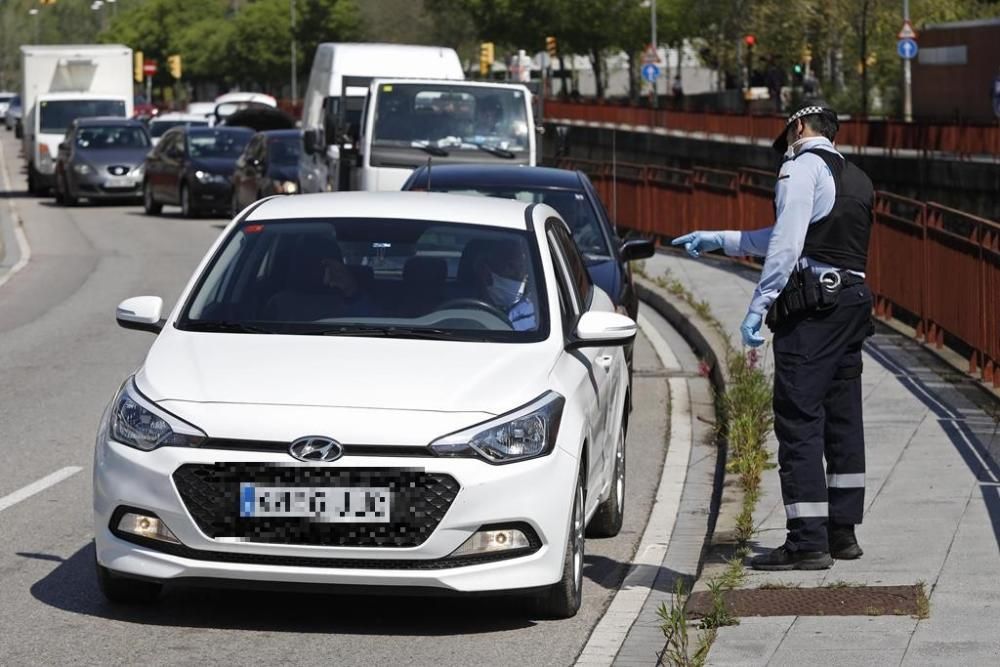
(61, 358)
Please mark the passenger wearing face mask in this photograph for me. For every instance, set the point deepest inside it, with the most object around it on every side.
(503, 281)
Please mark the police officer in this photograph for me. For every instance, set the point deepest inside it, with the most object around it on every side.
(813, 292)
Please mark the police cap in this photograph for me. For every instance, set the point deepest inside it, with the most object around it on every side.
(781, 143)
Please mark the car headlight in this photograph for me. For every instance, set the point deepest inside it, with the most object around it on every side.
(207, 177)
(525, 433)
(82, 169)
(139, 171)
(286, 187)
(137, 422)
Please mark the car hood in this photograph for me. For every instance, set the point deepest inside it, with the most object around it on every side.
(215, 165)
(130, 157)
(377, 373)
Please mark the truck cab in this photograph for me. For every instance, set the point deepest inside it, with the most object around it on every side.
(406, 122)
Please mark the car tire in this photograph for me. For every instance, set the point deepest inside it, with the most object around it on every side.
(150, 205)
(125, 590)
(32, 180)
(562, 600)
(63, 195)
(607, 521)
(187, 210)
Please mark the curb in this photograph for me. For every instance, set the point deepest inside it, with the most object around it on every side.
(24, 249)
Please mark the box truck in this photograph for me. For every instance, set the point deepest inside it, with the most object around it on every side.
(62, 83)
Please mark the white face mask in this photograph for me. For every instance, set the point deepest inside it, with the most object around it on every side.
(505, 292)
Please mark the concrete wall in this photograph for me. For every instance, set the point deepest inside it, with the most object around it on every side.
(967, 186)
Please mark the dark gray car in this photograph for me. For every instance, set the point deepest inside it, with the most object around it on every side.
(101, 159)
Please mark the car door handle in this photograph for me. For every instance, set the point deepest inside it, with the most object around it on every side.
(605, 361)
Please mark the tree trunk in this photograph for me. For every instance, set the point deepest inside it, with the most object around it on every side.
(596, 63)
(864, 58)
(633, 89)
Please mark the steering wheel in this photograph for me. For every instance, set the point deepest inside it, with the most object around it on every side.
(471, 302)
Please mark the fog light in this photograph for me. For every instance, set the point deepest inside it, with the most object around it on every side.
(146, 526)
(492, 541)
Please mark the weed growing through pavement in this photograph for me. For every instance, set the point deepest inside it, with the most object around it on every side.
(675, 626)
(923, 602)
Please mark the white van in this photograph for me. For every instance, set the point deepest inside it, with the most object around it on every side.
(328, 98)
(408, 121)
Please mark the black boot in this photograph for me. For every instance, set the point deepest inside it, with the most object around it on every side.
(843, 543)
(783, 558)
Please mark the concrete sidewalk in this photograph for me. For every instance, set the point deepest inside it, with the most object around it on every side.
(932, 510)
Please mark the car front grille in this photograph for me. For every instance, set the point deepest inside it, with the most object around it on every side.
(419, 500)
(118, 170)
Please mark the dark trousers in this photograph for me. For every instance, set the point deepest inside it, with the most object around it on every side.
(817, 414)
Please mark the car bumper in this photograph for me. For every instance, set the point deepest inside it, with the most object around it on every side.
(536, 494)
(105, 188)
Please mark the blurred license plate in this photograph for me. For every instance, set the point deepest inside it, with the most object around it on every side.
(122, 182)
(327, 504)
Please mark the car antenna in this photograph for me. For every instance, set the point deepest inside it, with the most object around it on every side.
(429, 158)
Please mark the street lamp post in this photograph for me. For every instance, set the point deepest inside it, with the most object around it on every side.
(907, 76)
(652, 40)
(295, 83)
(34, 12)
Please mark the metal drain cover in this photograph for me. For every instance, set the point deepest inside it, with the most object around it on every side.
(829, 601)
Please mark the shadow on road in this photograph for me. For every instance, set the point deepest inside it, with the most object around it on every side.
(14, 194)
(72, 587)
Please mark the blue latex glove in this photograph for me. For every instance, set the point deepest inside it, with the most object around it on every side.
(750, 330)
(698, 242)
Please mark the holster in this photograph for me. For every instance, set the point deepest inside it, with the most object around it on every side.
(804, 293)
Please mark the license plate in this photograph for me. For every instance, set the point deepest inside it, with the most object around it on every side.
(122, 182)
(326, 504)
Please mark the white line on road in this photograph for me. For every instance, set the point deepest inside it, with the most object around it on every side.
(26, 492)
(609, 635)
(15, 219)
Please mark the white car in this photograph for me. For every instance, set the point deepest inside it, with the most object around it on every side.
(396, 389)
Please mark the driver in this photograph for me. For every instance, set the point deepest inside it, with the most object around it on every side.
(489, 116)
(503, 282)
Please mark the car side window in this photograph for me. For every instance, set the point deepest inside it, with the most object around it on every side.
(569, 303)
(579, 277)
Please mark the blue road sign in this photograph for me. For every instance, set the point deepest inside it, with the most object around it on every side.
(650, 72)
(907, 49)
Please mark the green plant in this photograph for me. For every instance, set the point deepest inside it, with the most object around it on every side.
(675, 628)
(923, 602)
(719, 616)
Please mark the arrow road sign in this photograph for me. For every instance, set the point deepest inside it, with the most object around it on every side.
(907, 49)
(650, 72)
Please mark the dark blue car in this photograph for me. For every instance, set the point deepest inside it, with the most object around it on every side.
(568, 192)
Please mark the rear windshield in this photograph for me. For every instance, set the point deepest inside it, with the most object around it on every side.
(217, 143)
(373, 277)
(56, 115)
(111, 137)
(158, 127)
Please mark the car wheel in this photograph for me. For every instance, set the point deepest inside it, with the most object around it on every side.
(562, 600)
(32, 180)
(123, 590)
(186, 209)
(150, 205)
(63, 195)
(607, 522)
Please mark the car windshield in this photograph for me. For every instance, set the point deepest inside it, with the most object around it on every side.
(158, 127)
(110, 137)
(7, 98)
(373, 277)
(217, 143)
(285, 150)
(56, 115)
(450, 116)
(572, 205)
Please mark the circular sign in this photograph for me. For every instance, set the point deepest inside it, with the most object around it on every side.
(907, 49)
(650, 72)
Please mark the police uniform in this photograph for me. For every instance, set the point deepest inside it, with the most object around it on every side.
(823, 218)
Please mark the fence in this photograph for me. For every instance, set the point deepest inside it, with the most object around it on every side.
(930, 266)
(890, 136)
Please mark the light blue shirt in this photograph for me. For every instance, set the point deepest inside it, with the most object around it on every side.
(522, 316)
(805, 193)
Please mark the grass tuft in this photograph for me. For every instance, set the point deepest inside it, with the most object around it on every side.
(923, 602)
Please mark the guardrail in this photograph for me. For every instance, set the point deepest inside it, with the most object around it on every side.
(930, 266)
(963, 141)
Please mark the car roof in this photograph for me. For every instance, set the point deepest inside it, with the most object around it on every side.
(491, 212)
(501, 175)
(201, 129)
(108, 120)
(295, 134)
(178, 116)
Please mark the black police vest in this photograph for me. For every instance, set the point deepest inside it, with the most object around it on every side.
(841, 238)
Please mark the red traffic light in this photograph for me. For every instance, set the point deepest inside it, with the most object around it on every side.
(750, 40)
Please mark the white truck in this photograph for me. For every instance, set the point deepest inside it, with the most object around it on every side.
(407, 122)
(63, 83)
(339, 81)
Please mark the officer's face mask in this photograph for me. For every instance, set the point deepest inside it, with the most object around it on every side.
(505, 292)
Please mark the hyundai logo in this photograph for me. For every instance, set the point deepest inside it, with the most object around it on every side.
(316, 448)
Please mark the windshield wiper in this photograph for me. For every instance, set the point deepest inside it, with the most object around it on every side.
(222, 326)
(496, 150)
(436, 151)
(388, 332)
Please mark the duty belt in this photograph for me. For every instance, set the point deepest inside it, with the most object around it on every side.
(806, 292)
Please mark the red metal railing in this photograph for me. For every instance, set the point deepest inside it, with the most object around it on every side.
(960, 141)
(928, 264)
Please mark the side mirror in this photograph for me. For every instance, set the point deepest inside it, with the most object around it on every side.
(600, 329)
(637, 249)
(141, 313)
(64, 146)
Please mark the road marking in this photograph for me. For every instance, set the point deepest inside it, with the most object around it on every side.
(610, 633)
(22, 240)
(667, 357)
(26, 492)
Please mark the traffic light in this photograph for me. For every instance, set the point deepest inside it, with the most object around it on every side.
(137, 61)
(750, 40)
(551, 46)
(486, 54)
(174, 65)
(798, 73)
